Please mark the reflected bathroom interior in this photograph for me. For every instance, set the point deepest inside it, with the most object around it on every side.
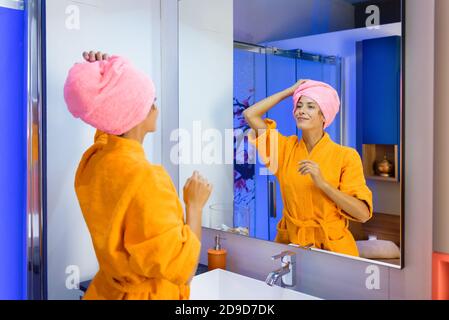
(363, 65)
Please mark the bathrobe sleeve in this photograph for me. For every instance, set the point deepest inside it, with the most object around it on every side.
(352, 181)
(271, 145)
(159, 243)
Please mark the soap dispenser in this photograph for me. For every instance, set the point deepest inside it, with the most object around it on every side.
(216, 257)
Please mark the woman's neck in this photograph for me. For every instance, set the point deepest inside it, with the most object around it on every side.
(134, 134)
(311, 138)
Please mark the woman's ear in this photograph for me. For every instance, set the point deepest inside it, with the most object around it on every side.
(323, 118)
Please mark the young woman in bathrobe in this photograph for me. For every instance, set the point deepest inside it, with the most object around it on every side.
(322, 183)
(145, 249)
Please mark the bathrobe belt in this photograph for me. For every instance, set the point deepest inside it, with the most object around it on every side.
(147, 285)
(303, 225)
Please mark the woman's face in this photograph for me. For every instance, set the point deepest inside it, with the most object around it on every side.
(150, 123)
(308, 114)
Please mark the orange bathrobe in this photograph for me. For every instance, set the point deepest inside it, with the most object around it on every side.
(309, 216)
(131, 207)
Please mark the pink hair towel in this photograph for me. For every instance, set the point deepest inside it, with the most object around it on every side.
(323, 94)
(110, 95)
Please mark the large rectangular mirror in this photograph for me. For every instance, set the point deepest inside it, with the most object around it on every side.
(235, 54)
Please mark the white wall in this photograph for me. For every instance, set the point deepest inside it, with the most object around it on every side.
(414, 282)
(333, 277)
(169, 83)
(441, 169)
(206, 90)
(130, 28)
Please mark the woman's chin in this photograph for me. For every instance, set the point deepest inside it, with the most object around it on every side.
(301, 126)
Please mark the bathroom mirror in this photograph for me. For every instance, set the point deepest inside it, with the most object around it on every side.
(233, 54)
(128, 28)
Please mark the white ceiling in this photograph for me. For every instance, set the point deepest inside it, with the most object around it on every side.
(257, 21)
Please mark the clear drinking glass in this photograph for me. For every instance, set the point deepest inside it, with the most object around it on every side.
(221, 216)
(227, 217)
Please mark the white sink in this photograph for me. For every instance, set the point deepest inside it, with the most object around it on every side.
(220, 284)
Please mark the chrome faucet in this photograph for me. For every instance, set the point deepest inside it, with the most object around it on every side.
(287, 272)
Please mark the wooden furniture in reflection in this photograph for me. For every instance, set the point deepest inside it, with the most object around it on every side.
(383, 226)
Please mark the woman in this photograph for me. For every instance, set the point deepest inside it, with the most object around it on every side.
(144, 248)
(322, 183)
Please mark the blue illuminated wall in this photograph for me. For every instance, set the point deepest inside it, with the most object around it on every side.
(378, 90)
(12, 155)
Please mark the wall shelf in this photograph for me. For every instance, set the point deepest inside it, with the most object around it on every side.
(378, 178)
(372, 153)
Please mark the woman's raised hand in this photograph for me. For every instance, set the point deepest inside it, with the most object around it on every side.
(95, 56)
(312, 168)
(197, 191)
(293, 88)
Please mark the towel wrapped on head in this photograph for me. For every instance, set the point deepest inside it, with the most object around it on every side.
(323, 94)
(110, 95)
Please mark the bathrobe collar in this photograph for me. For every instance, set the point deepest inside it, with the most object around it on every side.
(323, 141)
(123, 143)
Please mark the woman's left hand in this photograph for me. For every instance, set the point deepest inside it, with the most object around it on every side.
(93, 56)
(312, 168)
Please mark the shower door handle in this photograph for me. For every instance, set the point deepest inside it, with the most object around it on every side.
(272, 198)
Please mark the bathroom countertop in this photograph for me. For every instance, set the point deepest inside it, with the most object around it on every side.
(201, 269)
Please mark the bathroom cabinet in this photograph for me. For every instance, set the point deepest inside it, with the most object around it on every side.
(379, 102)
